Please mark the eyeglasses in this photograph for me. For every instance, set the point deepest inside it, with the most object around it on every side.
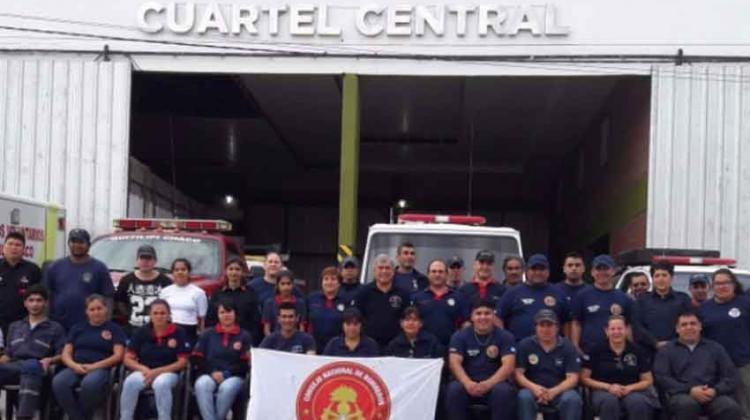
(722, 283)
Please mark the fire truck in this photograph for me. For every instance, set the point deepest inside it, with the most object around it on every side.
(205, 243)
(439, 236)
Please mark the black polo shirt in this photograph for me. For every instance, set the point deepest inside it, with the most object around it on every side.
(426, 346)
(381, 311)
(14, 279)
(622, 369)
(656, 315)
(367, 347)
(547, 368)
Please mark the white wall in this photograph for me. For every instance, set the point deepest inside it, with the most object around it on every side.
(64, 132)
(699, 179)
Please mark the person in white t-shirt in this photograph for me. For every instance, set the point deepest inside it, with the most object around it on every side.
(187, 301)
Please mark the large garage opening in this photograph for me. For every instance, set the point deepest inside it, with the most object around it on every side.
(563, 159)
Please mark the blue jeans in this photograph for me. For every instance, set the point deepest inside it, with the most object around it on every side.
(162, 386)
(92, 394)
(568, 404)
(226, 392)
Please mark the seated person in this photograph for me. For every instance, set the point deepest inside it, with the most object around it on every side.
(352, 343)
(222, 357)
(619, 375)
(696, 374)
(155, 355)
(413, 342)
(482, 358)
(93, 347)
(288, 338)
(34, 345)
(547, 368)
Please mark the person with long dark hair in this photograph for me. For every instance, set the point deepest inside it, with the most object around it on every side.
(187, 301)
(242, 297)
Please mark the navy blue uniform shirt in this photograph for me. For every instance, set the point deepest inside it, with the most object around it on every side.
(520, 304)
(425, 346)
(223, 350)
(381, 312)
(482, 355)
(299, 342)
(349, 290)
(46, 339)
(569, 291)
(69, 285)
(474, 292)
(656, 316)
(271, 311)
(441, 314)
(157, 351)
(248, 309)
(678, 368)
(624, 369)
(728, 324)
(547, 368)
(367, 347)
(14, 279)
(411, 281)
(324, 316)
(593, 307)
(265, 290)
(94, 343)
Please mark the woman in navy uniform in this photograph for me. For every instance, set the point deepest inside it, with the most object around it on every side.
(325, 308)
(352, 343)
(93, 347)
(284, 293)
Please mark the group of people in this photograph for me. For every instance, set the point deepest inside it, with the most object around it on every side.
(517, 346)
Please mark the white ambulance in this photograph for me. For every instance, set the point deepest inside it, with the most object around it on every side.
(42, 223)
(440, 236)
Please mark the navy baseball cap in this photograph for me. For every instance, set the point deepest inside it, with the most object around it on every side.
(699, 278)
(603, 260)
(546, 315)
(455, 261)
(538, 260)
(349, 261)
(80, 235)
(485, 256)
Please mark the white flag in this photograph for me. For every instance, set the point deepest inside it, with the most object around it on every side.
(288, 386)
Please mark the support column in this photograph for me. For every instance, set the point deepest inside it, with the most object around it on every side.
(349, 177)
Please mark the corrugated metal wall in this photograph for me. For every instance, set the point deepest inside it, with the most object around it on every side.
(699, 175)
(64, 135)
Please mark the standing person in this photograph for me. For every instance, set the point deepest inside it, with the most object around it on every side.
(156, 353)
(638, 284)
(619, 375)
(482, 359)
(483, 285)
(284, 293)
(699, 287)
(349, 272)
(264, 286)
(726, 320)
(222, 356)
(34, 345)
(325, 308)
(442, 309)
(696, 374)
(70, 280)
(93, 347)
(513, 266)
(138, 289)
(656, 311)
(547, 370)
(352, 343)
(519, 305)
(288, 337)
(593, 307)
(407, 278)
(242, 298)
(188, 303)
(16, 275)
(573, 269)
(413, 342)
(455, 272)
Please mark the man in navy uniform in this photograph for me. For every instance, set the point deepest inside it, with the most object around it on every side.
(408, 278)
(443, 310)
(16, 274)
(288, 338)
(483, 285)
(482, 359)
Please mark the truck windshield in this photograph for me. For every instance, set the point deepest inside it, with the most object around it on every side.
(118, 252)
(432, 246)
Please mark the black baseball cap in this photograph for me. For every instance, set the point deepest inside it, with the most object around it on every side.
(699, 278)
(146, 251)
(485, 256)
(546, 315)
(455, 261)
(349, 261)
(80, 235)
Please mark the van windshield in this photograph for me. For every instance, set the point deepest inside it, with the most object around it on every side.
(118, 252)
(430, 246)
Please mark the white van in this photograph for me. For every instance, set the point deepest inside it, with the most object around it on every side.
(439, 236)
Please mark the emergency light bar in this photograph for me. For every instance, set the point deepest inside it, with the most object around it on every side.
(680, 260)
(174, 224)
(441, 218)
